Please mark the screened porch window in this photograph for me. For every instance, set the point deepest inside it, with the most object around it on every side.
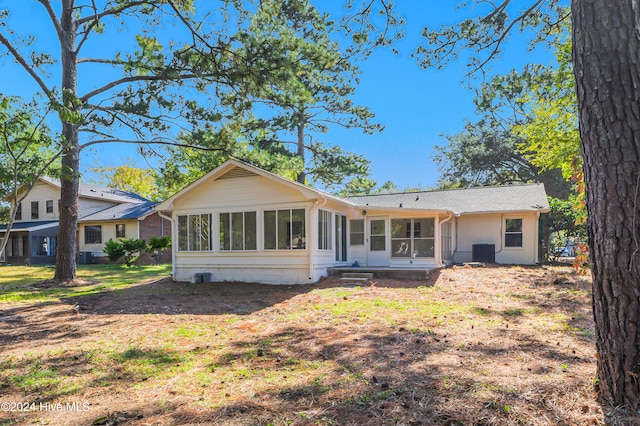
(413, 238)
(194, 232)
(238, 231)
(284, 229)
(324, 230)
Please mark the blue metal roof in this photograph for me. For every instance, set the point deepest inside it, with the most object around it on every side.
(22, 226)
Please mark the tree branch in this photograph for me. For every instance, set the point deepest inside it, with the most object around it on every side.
(130, 79)
(20, 59)
(151, 142)
(113, 11)
(497, 43)
(52, 16)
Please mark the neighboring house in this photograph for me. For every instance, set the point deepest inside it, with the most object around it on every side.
(241, 223)
(103, 213)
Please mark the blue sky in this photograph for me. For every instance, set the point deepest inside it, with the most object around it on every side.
(416, 106)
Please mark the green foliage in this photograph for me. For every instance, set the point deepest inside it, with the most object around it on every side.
(310, 88)
(564, 217)
(114, 250)
(157, 245)
(143, 182)
(482, 155)
(358, 186)
(551, 136)
(481, 37)
(26, 146)
(128, 249)
(27, 152)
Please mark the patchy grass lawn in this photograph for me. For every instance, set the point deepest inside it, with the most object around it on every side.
(485, 346)
(29, 283)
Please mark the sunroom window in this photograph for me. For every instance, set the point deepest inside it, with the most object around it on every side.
(324, 230)
(194, 232)
(284, 229)
(412, 238)
(238, 231)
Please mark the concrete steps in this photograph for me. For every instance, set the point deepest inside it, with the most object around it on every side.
(356, 278)
(410, 274)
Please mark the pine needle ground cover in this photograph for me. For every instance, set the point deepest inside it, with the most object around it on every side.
(470, 346)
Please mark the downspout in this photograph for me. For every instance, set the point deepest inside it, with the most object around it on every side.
(310, 245)
(445, 221)
(173, 248)
(536, 249)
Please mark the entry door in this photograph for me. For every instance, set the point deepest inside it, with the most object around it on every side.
(378, 247)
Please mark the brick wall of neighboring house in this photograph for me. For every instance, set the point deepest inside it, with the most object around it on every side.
(155, 226)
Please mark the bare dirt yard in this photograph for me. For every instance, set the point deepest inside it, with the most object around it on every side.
(471, 346)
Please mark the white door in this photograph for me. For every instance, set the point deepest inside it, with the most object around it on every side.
(377, 246)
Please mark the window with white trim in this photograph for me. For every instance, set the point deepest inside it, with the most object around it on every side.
(324, 230)
(194, 232)
(121, 230)
(35, 210)
(356, 232)
(413, 238)
(238, 231)
(284, 229)
(513, 233)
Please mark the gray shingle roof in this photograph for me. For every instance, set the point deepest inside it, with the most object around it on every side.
(506, 198)
(121, 212)
(101, 192)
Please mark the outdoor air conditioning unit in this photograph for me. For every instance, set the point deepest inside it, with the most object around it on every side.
(484, 253)
(201, 277)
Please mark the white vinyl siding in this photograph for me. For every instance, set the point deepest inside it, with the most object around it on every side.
(491, 229)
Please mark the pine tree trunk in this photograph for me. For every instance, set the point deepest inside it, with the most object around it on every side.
(70, 175)
(302, 176)
(607, 69)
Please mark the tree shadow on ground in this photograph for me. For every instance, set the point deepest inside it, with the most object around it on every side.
(384, 378)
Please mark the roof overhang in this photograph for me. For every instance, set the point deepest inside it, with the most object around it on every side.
(30, 228)
(229, 166)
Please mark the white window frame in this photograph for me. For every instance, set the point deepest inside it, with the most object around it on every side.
(244, 241)
(325, 221)
(190, 245)
(359, 233)
(413, 238)
(294, 242)
(509, 233)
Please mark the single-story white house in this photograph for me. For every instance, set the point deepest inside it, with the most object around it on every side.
(242, 223)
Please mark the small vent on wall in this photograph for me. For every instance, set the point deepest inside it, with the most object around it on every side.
(237, 172)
